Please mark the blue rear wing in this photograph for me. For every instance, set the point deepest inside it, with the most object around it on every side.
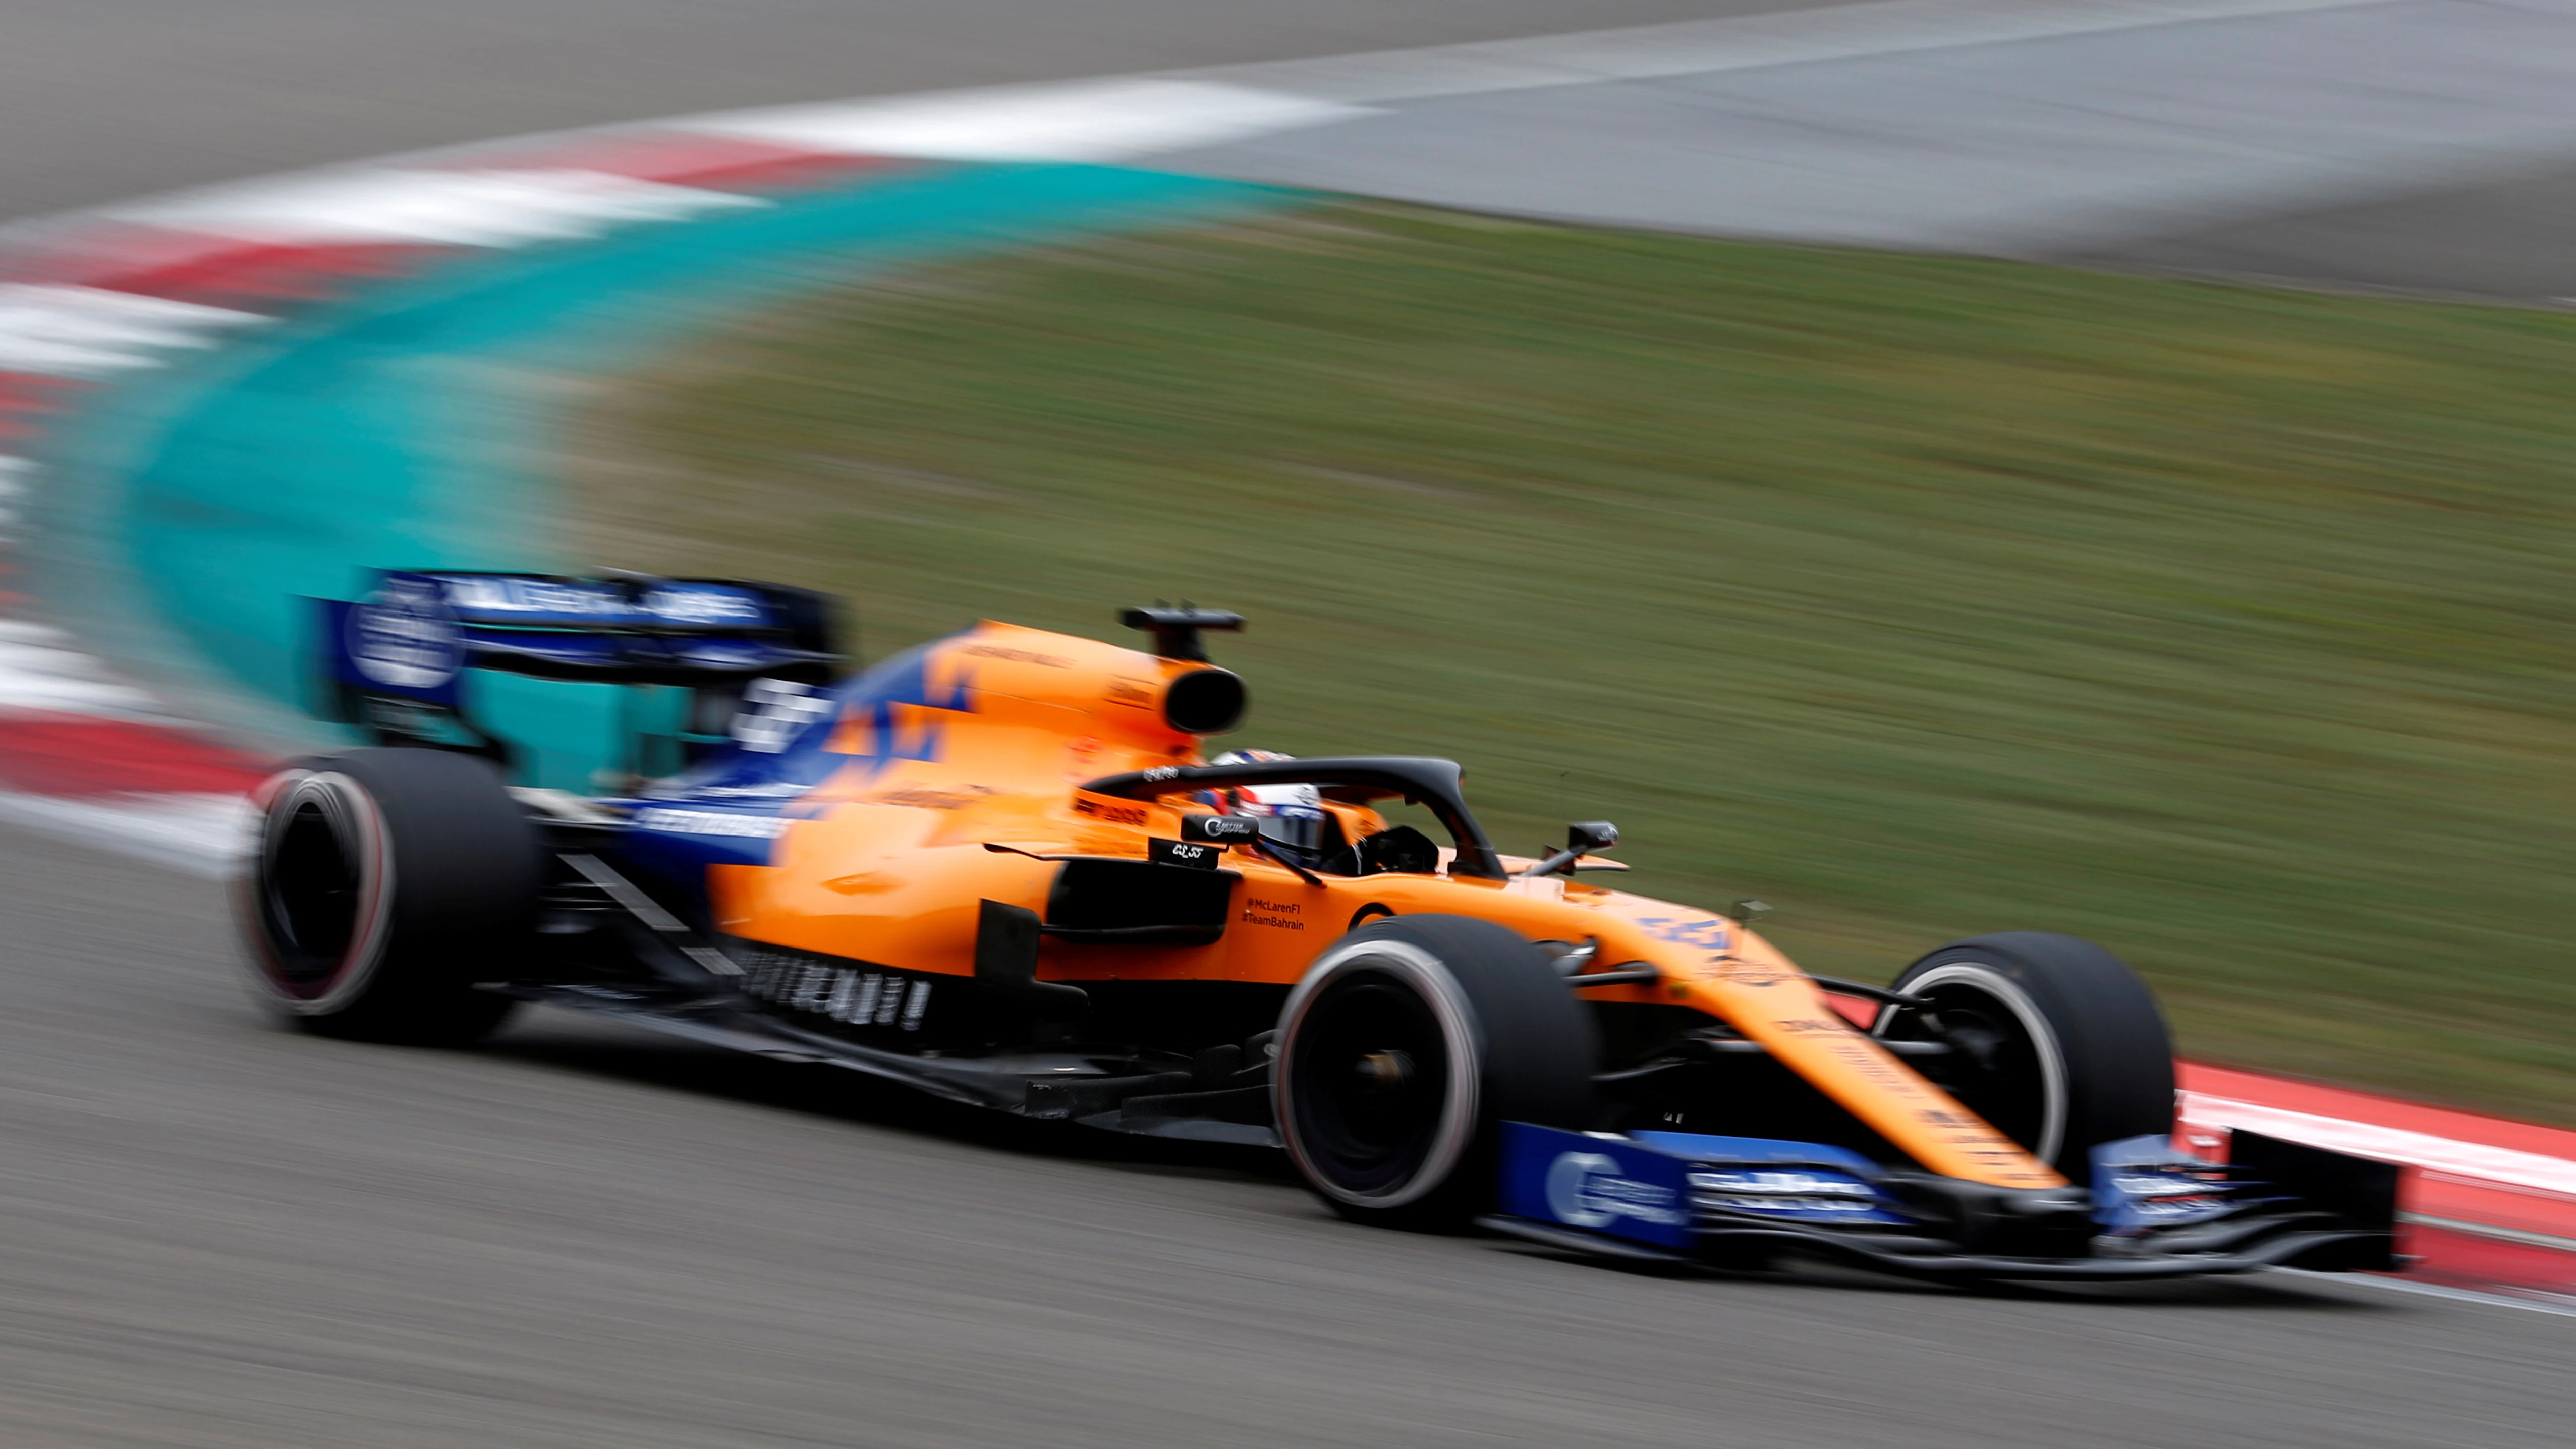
(399, 662)
(415, 633)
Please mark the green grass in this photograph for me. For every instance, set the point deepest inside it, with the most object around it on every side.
(1921, 597)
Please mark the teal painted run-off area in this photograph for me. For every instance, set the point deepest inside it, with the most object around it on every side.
(411, 425)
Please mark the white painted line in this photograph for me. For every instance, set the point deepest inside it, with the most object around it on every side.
(200, 834)
(1699, 47)
(2391, 1144)
(486, 207)
(1081, 121)
(2554, 1304)
(55, 330)
(2485, 1230)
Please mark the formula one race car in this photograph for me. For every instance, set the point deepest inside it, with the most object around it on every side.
(997, 868)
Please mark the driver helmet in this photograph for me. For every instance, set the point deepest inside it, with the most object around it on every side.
(1291, 816)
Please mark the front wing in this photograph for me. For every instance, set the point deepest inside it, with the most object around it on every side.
(2150, 1213)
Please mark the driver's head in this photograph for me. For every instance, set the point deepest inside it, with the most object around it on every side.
(1292, 816)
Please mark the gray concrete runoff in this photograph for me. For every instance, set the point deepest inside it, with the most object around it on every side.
(221, 1233)
(2427, 145)
(2424, 144)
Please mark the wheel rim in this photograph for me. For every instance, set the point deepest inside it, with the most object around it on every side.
(1368, 1080)
(1377, 1088)
(2010, 1069)
(320, 890)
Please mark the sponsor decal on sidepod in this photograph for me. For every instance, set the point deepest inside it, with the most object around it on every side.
(709, 822)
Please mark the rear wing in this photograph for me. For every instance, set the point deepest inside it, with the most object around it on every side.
(400, 662)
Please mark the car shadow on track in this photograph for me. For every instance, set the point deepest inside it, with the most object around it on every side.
(604, 1049)
(591, 1048)
(2255, 1291)
(1817, 1273)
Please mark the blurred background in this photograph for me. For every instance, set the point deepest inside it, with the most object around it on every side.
(1941, 466)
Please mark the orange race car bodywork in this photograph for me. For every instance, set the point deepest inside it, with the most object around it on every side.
(887, 859)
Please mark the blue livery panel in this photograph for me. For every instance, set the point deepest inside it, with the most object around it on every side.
(1597, 1184)
(1661, 1187)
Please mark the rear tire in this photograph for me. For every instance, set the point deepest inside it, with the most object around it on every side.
(1405, 1046)
(385, 883)
(2060, 1045)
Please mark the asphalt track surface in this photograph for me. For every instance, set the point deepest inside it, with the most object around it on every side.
(219, 1232)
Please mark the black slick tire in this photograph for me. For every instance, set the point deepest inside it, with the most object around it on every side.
(383, 885)
(2057, 1042)
(1404, 1047)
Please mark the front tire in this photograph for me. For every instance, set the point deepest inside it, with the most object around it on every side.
(385, 883)
(2055, 1042)
(1404, 1047)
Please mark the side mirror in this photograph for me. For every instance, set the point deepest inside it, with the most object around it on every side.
(1584, 837)
(1581, 839)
